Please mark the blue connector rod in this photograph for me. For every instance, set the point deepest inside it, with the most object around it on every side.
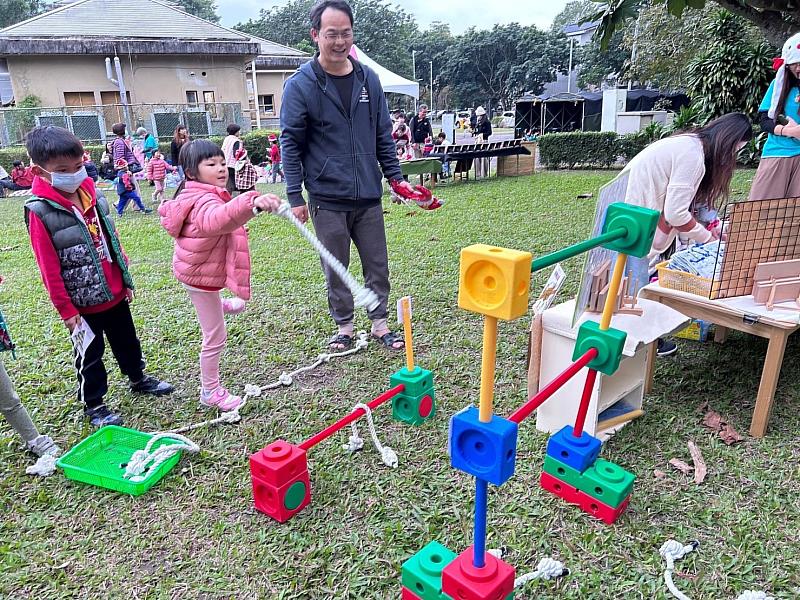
(479, 547)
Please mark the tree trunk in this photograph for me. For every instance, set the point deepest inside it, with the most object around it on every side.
(776, 26)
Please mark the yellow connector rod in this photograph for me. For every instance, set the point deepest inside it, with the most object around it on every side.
(488, 360)
(613, 291)
(406, 304)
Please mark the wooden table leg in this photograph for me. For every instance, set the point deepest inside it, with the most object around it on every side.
(651, 367)
(720, 334)
(769, 381)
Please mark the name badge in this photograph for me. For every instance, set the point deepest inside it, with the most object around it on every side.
(364, 95)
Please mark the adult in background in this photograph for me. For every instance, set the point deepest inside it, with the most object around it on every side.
(179, 138)
(121, 148)
(420, 126)
(482, 131)
(336, 130)
(778, 174)
(230, 146)
(680, 176)
(149, 143)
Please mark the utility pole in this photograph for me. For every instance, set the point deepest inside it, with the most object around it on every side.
(569, 71)
(414, 70)
(431, 87)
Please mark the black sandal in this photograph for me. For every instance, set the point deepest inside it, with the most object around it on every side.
(389, 340)
(340, 342)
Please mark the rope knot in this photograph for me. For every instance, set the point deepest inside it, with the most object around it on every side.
(324, 357)
(252, 390)
(285, 379)
(753, 595)
(354, 443)
(549, 568)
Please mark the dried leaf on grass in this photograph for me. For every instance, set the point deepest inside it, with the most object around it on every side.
(659, 474)
(714, 421)
(699, 464)
(680, 465)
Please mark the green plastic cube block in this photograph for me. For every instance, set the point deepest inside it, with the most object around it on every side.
(640, 224)
(414, 410)
(609, 344)
(422, 573)
(607, 482)
(561, 471)
(418, 382)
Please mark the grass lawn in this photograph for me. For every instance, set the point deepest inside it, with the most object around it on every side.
(197, 535)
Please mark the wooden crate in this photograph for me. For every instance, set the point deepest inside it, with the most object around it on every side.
(520, 164)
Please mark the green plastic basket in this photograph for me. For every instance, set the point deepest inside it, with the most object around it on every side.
(101, 459)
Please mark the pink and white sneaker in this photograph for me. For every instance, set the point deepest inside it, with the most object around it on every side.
(233, 306)
(220, 398)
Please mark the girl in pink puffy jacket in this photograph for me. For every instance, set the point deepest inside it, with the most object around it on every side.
(211, 253)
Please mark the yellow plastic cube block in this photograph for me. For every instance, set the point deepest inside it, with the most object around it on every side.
(494, 281)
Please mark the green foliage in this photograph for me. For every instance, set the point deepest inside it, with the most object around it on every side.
(750, 154)
(732, 73)
(15, 11)
(205, 9)
(257, 144)
(487, 66)
(590, 148)
(595, 64)
(20, 120)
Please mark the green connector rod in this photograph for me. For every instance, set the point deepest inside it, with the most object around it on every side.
(570, 251)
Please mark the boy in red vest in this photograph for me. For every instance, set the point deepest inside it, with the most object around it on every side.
(84, 268)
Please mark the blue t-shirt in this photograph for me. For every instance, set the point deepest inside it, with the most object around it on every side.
(780, 146)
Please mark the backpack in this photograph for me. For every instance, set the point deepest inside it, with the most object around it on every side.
(5, 338)
(245, 175)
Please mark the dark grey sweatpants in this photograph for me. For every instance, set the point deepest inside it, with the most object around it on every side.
(365, 228)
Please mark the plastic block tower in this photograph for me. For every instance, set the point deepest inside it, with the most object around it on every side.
(495, 282)
(279, 472)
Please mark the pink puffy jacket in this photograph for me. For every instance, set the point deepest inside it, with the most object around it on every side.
(210, 241)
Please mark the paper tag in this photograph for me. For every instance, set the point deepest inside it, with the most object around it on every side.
(82, 336)
(550, 291)
(400, 308)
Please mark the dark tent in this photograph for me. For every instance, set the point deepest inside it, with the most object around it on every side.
(640, 100)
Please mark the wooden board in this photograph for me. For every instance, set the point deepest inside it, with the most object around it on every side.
(784, 291)
(777, 269)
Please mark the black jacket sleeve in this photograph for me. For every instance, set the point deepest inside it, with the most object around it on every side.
(767, 124)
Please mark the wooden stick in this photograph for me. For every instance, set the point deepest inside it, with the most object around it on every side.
(771, 298)
(619, 419)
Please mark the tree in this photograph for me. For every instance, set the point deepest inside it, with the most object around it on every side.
(382, 30)
(431, 46)
(733, 73)
(777, 19)
(573, 12)
(500, 64)
(15, 11)
(205, 9)
(594, 64)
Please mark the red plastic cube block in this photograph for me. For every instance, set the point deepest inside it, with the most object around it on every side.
(278, 463)
(462, 580)
(559, 488)
(408, 595)
(282, 502)
(600, 510)
(281, 486)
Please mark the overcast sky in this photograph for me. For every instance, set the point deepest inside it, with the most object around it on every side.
(460, 14)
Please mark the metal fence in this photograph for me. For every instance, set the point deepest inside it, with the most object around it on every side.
(93, 123)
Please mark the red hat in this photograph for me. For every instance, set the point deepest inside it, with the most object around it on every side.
(240, 154)
(120, 163)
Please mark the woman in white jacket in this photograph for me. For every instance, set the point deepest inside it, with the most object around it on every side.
(680, 176)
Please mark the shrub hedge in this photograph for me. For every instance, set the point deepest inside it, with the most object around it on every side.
(584, 148)
(256, 142)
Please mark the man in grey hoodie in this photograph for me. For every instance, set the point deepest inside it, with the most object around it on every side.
(336, 140)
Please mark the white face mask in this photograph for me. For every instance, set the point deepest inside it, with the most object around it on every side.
(67, 182)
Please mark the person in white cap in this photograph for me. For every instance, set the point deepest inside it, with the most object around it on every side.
(482, 131)
(778, 174)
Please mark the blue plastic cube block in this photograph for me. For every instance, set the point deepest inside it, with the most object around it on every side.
(486, 450)
(576, 452)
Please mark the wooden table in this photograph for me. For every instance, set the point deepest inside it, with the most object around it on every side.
(714, 311)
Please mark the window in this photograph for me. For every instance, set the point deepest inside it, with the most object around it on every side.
(79, 99)
(191, 98)
(211, 107)
(266, 104)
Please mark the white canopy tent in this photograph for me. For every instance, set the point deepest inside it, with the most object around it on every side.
(391, 82)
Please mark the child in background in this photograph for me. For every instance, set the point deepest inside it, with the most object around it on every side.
(275, 157)
(157, 169)
(22, 176)
(428, 147)
(11, 408)
(126, 188)
(211, 253)
(441, 140)
(107, 163)
(84, 268)
(91, 168)
(402, 141)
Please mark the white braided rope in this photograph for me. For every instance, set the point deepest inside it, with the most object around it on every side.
(362, 296)
(137, 469)
(672, 550)
(388, 456)
(548, 568)
(753, 595)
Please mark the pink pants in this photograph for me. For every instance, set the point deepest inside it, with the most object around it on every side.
(212, 323)
(159, 185)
